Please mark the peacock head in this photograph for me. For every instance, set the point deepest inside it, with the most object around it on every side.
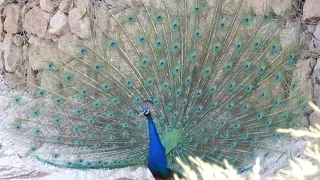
(145, 111)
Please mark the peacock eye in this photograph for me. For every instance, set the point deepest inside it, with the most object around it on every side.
(212, 75)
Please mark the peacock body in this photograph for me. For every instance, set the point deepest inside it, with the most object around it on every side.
(212, 79)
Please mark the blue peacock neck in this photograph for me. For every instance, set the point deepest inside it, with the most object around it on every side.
(157, 161)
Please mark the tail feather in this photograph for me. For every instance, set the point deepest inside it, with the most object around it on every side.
(220, 79)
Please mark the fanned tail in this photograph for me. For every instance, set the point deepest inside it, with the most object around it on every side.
(221, 80)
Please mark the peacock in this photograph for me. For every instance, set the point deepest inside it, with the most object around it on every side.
(156, 80)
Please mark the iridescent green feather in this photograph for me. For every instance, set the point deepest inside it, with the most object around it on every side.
(218, 83)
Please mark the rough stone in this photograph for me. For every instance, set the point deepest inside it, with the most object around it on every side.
(228, 7)
(25, 50)
(1, 62)
(316, 83)
(32, 3)
(311, 10)
(82, 4)
(59, 24)
(1, 67)
(24, 11)
(305, 39)
(39, 52)
(18, 39)
(4, 2)
(31, 79)
(314, 46)
(76, 14)
(314, 118)
(302, 75)
(66, 44)
(102, 22)
(12, 20)
(36, 21)
(282, 7)
(316, 93)
(311, 27)
(316, 32)
(49, 5)
(65, 6)
(260, 6)
(12, 54)
(290, 36)
(313, 62)
(156, 3)
(79, 24)
(42, 51)
(1, 28)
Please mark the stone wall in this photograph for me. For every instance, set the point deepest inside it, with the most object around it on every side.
(27, 25)
(310, 42)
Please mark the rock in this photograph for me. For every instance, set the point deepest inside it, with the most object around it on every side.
(65, 6)
(282, 7)
(34, 40)
(314, 46)
(314, 118)
(66, 44)
(79, 24)
(59, 24)
(316, 83)
(24, 11)
(36, 21)
(25, 50)
(12, 54)
(301, 74)
(1, 67)
(305, 39)
(311, 10)
(155, 3)
(42, 51)
(31, 79)
(290, 36)
(1, 60)
(260, 6)
(316, 94)
(316, 32)
(76, 14)
(4, 2)
(12, 20)
(82, 4)
(279, 7)
(39, 52)
(49, 5)
(18, 40)
(313, 62)
(228, 6)
(100, 21)
(1, 28)
(312, 28)
(32, 3)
